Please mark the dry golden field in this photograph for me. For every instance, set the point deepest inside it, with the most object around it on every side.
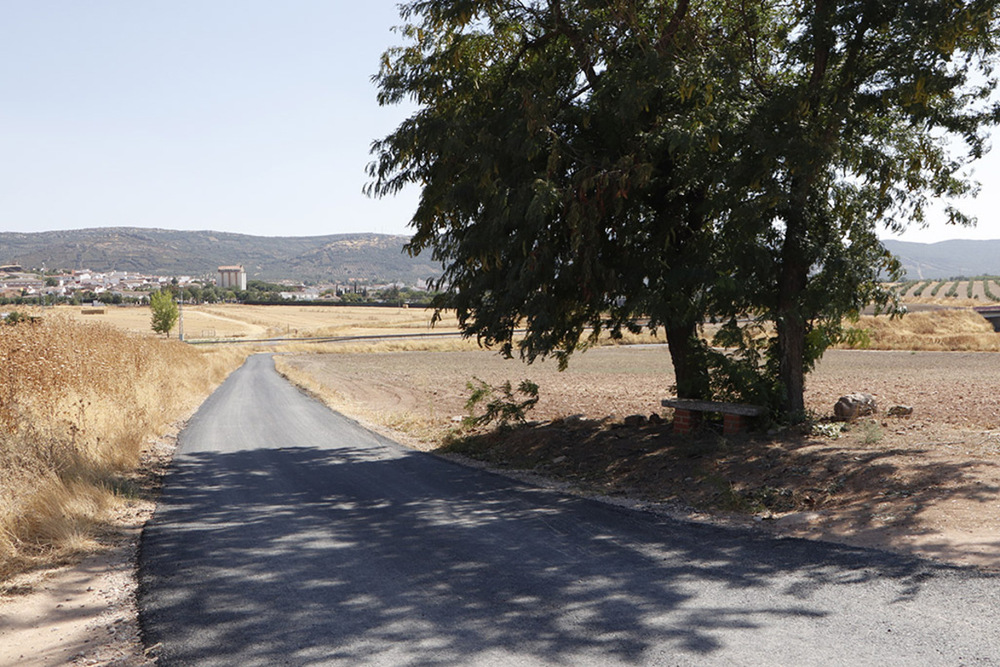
(79, 403)
(239, 321)
(955, 330)
(947, 324)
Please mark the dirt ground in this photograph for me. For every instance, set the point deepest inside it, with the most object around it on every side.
(84, 613)
(927, 484)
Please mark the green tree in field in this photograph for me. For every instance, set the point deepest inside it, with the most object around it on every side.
(590, 167)
(165, 311)
(569, 154)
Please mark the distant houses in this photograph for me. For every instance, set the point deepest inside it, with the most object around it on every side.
(231, 284)
(83, 284)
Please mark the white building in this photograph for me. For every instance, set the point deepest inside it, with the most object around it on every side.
(232, 277)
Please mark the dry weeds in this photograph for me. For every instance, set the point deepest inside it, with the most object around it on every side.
(955, 330)
(78, 404)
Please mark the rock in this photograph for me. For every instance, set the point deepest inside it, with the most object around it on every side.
(855, 405)
(635, 420)
(655, 419)
(901, 411)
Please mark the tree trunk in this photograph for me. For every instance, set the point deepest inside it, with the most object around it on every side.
(790, 321)
(689, 360)
(791, 370)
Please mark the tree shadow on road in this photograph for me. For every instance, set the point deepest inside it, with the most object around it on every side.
(876, 490)
(305, 555)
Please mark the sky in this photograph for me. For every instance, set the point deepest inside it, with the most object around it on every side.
(246, 116)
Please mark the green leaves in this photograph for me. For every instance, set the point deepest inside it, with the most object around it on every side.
(164, 312)
(499, 402)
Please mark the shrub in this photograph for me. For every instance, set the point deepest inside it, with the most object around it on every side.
(920, 290)
(500, 403)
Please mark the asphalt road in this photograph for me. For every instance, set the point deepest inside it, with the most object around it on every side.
(288, 535)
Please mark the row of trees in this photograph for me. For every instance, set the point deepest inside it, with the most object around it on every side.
(596, 166)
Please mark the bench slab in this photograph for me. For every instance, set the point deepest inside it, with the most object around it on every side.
(714, 406)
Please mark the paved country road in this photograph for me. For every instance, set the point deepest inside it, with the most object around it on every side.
(289, 535)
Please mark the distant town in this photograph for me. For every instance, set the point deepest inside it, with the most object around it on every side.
(26, 286)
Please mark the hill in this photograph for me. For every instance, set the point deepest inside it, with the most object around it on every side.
(947, 259)
(345, 257)
(334, 258)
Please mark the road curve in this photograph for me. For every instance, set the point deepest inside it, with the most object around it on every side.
(289, 535)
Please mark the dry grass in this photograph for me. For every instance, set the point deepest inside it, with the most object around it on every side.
(939, 330)
(430, 344)
(242, 321)
(78, 404)
(305, 321)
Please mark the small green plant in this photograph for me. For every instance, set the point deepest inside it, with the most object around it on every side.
(500, 403)
(870, 432)
(14, 318)
(756, 500)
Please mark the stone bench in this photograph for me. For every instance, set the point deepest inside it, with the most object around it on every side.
(687, 414)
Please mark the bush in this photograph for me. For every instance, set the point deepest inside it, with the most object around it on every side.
(500, 402)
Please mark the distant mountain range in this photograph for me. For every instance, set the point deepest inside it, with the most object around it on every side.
(344, 257)
(337, 258)
(947, 259)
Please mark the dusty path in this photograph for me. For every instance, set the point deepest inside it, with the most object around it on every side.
(84, 614)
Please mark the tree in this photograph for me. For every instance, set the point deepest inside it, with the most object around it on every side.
(586, 165)
(165, 311)
(864, 113)
(568, 153)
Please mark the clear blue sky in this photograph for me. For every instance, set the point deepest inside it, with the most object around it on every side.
(249, 116)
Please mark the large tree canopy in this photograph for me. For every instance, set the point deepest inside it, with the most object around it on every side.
(866, 112)
(568, 154)
(592, 167)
